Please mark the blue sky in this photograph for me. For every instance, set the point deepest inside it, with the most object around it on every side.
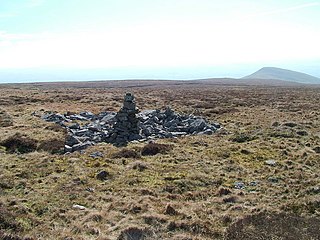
(170, 39)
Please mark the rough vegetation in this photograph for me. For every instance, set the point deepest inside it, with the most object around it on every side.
(256, 178)
(5, 119)
(19, 143)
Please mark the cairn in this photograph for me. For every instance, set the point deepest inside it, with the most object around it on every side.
(126, 123)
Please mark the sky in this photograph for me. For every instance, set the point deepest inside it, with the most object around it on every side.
(44, 40)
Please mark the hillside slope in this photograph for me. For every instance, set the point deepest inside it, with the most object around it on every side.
(284, 75)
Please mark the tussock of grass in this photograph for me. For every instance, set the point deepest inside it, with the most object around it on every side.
(274, 226)
(52, 146)
(126, 153)
(19, 143)
(155, 148)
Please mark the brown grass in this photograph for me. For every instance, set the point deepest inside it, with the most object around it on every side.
(274, 226)
(53, 146)
(126, 153)
(155, 148)
(188, 190)
(19, 143)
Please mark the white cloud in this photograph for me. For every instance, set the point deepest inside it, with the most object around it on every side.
(35, 3)
(284, 10)
(7, 15)
(161, 44)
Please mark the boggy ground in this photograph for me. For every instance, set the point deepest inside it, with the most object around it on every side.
(200, 187)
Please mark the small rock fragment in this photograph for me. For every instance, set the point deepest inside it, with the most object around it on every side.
(270, 162)
(317, 149)
(290, 124)
(103, 175)
(79, 207)
(96, 155)
(239, 185)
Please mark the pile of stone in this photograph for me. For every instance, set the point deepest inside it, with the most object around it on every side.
(86, 129)
(125, 128)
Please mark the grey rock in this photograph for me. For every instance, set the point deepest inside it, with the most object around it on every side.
(72, 140)
(79, 207)
(82, 146)
(54, 117)
(83, 132)
(96, 155)
(197, 125)
(127, 125)
(97, 139)
(302, 133)
(317, 149)
(273, 179)
(74, 126)
(314, 190)
(178, 134)
(67, 148)
(271, 162)
(254, 183)
(290, 124)
(169, 112)
(87, 115)
(108, 118)
(206, 132)
(94, 127)
(78, 117)
(239, 185)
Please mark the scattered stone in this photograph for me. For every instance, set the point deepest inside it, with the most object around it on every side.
(314, 190)
(239, 185)
(90, 189)
(96, 155)
(82, 146)
(302, 133)
(125, 126)
(103, 175)
(67, 148)
(290, 124)
(254, 183)
(273, 179)
(79, 207)
(87, 115)
(317, 149)
(271, 162)
(72, 140)
(54, 117)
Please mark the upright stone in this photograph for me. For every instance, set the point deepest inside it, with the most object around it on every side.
(126, 124)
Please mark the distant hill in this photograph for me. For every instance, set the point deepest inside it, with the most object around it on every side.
(273, 73)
